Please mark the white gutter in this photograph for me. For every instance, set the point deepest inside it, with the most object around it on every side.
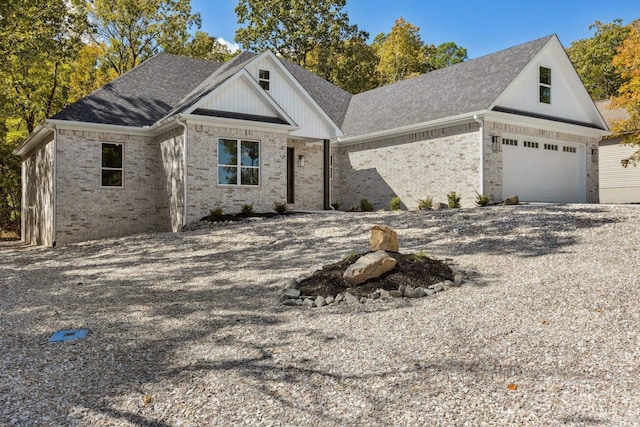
(481, 130)
(183, 122)
(454, 120)
(54, 233)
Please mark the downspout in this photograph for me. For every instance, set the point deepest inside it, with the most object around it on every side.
(183, 122)
(54, 222)
(481, 124)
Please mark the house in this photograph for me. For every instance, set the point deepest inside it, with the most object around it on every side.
(163, 144)
(617, 183)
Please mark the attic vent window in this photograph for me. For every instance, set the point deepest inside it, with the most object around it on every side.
(545, 85)
(263, 79)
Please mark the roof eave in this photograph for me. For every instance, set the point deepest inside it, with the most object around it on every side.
(547, 124)
(34, 138)
(438, 123)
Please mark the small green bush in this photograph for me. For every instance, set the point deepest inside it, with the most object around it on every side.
(366, 206)
(247, 209)
(453, 200)
(351, 257)
(482, 199)
(418, 256)
(216, 214)
(395, 204)
(280, 208)
(425, 204)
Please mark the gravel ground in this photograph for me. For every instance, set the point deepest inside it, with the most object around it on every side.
(186, 328)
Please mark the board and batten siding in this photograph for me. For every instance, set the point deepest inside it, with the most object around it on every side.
(568, 96)
(617, 183)
(293, 101)
(239, 97)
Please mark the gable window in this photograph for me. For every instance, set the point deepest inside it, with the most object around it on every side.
(263, 79)
(545, 85)
(238, 162)
(111, 167)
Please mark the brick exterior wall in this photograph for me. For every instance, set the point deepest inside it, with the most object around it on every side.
(203, 191)
(494, 163)
(309, 179)
(415, 166)
(37, 195)
(85, 210)
(170, 202)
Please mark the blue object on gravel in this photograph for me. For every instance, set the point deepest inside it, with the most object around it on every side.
(68, 335)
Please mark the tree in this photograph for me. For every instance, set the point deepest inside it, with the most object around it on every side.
(592, 58)
(627, 63)
(204, 46)
(354, 70)
(134, 30)
(401, 53)
(294, 28)
(444, 55)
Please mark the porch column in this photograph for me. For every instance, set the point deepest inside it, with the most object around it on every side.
(327, 177)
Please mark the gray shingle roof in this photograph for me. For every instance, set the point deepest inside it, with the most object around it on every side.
(462, 88)
(333, 100)
(143, 95)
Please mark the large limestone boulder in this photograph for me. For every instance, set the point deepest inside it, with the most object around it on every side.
(383, 238)
(369, 266)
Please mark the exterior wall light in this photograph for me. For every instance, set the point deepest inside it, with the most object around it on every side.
(496, 143)
(594, 155)
(301, 160)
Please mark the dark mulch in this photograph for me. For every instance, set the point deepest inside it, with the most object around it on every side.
(410, 271)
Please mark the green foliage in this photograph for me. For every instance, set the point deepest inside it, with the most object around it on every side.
(395, 204)
(482, 199)
(443, 55)
(365, 206)
(351, 257)
(280, 208)
(204, 46)
(425, 204)
(216, 214)
(134, 30)
(294, 28)
(400, 53)
(592, 58)
(247, 209)
(418, 256)
(453, 200)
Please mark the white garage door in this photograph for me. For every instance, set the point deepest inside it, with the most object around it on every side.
(544, 171)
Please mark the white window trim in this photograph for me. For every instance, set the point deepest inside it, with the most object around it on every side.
(540, 84)
(121, 169)
(238, 166)
(262, 79)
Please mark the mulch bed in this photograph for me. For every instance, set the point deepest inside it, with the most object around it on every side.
(411, 270)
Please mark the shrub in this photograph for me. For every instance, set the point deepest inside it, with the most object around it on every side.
(425, 204)
(395, 204)
(247, 209)
(453, 200)
(216, 214)
(418, 256)
(482, 199)
(280, 208)
(366, 206)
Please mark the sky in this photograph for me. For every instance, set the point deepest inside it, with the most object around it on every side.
(481, 27)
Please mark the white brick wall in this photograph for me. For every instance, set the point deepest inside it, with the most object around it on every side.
(170, 201)
(413, 167)
(203, 191)
(37, 195)
(309, 179)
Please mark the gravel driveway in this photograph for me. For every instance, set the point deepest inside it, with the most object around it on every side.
(186, 328)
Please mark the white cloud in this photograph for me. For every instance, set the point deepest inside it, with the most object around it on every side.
(232, 46)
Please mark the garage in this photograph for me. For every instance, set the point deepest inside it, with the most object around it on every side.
(544, 170)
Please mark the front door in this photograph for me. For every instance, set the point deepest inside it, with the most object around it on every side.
(290, 174)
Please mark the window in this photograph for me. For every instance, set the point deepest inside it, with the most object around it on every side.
(569, 149)
(530, 144)
(545, 85)
(263, 79)
(552, 147)
(111, 167)
(506, 141)
(238, 162)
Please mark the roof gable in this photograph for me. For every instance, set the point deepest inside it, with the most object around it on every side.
(143, 95)
(462, 88)
(570, 101)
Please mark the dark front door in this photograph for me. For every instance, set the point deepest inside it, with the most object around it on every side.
(290, 174)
